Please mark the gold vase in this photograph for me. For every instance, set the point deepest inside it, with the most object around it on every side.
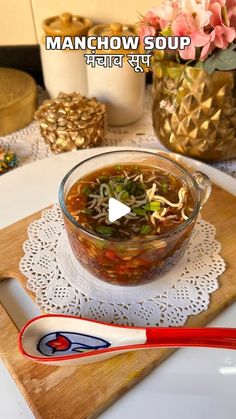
(194, 113)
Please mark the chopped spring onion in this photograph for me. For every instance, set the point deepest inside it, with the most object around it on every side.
(153, 206)
(119, 188)
(88, 211)
(124, 195)
(145, 229)
(152, 196)
(130, 187)
(103, 178)
(107, 231)
(111, 189)
(164, 186)
(86, 190)
(141, 186)
(139, 211)
(119, 178)
(118, 167)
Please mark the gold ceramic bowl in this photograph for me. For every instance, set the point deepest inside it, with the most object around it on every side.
(194, 113)
(18, 100)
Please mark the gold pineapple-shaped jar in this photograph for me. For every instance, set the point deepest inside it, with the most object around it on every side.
(194, 113)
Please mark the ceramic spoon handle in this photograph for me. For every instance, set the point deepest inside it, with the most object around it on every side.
(205, 337)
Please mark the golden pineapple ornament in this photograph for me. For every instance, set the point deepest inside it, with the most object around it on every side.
(194, 113)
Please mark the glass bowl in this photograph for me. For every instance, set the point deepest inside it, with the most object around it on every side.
(132, 262)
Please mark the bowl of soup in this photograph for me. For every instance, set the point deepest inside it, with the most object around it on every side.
(164, 201)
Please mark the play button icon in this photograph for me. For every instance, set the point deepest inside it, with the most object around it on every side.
(116, 210)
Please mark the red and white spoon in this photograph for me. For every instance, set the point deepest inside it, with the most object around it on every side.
(67, 340)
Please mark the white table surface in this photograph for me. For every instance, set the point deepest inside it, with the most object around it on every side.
(192, 383)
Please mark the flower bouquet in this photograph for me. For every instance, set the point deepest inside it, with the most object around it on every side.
(194, 109)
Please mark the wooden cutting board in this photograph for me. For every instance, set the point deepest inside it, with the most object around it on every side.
(83, 392)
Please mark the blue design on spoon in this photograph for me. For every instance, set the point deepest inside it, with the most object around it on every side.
(67, 343)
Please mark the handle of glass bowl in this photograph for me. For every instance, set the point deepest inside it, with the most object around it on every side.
(204, 184)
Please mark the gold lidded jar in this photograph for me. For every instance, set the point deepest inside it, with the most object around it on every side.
(121, 88)
(64, 70)
(72, 122)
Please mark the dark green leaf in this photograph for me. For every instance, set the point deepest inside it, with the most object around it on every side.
(221, 59)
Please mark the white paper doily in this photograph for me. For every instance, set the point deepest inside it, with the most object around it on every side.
(62, 285)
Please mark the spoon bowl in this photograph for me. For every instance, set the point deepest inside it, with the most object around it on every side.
(57, 339)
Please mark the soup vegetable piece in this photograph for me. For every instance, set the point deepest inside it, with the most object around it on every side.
(158, 201)
(133, 249)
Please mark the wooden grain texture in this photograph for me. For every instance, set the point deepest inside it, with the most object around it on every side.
(83, 392)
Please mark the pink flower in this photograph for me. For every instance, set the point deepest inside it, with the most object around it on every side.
(210, 24)
(231, 7)
(149, 25)
(197, 13)
(181, 27)
(167, 12)
(152, 19)
(221, 2)
(188, 53)
(223, 36)
(216, 9)
(146, 31)
(220, 37)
